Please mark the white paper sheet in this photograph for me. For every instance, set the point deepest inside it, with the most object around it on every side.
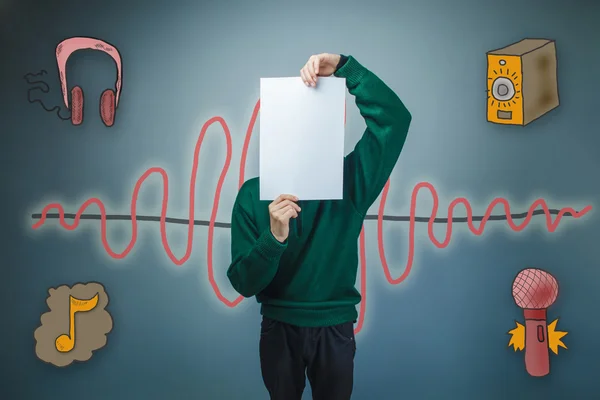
(301, 146)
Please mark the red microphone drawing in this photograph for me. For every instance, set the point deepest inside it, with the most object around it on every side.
(534, 290)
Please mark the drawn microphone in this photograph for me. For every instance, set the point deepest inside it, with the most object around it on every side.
(534, 290)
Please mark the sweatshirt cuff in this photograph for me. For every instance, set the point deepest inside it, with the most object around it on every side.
(342, 61)
(352, 70)
(269, 247)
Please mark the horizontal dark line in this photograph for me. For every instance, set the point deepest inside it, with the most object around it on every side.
(401, 218)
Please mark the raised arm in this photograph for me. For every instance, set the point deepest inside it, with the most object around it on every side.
(368, 167)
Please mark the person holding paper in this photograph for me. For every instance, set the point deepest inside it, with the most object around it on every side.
(305, 278)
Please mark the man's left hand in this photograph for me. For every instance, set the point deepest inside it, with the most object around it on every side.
(323, 64)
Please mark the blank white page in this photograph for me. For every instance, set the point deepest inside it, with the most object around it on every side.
(301, 148)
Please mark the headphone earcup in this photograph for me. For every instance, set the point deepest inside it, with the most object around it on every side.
(76, 105)
(107, 107)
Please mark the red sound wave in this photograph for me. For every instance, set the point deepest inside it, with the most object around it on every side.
(211, 227)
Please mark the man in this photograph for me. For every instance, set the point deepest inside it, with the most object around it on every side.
(305, 277)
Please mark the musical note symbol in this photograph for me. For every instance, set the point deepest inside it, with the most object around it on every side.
(65, 343)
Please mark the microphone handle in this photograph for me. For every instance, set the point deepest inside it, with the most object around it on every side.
(537, 355)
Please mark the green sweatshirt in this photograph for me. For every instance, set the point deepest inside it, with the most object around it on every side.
(309, 280)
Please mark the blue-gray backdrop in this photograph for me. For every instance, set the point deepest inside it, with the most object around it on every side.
(441, 334)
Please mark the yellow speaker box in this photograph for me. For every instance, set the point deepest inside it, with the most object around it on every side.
(522, 84)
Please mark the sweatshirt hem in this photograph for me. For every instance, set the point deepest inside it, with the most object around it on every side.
(305, 317)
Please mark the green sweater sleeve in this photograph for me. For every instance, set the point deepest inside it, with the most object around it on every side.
(368, 167)
(254, 255)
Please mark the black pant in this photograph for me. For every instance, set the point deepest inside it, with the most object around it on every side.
(289, 353)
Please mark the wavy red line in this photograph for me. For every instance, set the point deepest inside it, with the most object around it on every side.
(551, 225)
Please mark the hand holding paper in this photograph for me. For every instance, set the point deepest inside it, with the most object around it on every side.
(281, 210)
(319, 65)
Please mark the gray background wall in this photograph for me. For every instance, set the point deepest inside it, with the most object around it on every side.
(439, 335)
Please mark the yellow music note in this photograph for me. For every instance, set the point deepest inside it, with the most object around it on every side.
(65, 343)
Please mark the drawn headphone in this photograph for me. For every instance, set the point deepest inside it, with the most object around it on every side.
(109, 99)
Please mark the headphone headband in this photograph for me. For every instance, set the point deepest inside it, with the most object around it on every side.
(71, 45)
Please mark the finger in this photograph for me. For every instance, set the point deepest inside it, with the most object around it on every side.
(286, 213)
(279, 200)
(316, 64)
(282, 197)
(291, 213)
(283, 204)
(311, 72)
(303, 75)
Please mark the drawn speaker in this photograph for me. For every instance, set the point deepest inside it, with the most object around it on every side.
(522, 84)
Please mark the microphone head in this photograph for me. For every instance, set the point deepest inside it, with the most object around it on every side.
(534, 289)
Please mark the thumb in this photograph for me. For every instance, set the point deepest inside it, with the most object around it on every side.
(317, 64)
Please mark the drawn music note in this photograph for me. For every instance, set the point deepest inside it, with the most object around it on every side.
(65, 343)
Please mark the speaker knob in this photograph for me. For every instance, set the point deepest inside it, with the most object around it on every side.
(503, 89)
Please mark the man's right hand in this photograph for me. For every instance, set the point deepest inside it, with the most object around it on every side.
(281, 210)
